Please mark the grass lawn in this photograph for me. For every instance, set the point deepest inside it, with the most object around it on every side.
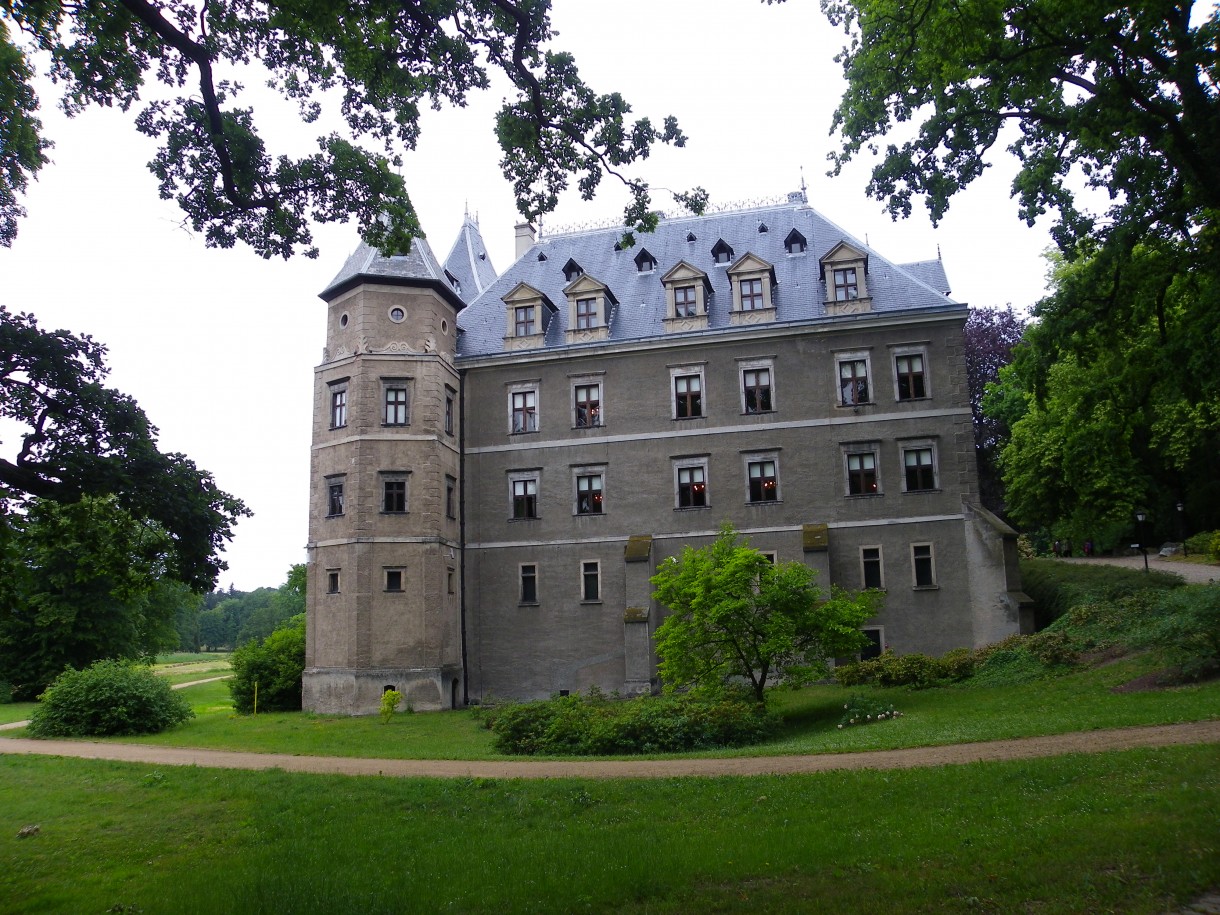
(1078, 701)
(1133, 832)
(16, 711)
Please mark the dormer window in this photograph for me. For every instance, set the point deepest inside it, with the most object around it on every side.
(690, 236)
(686, 295)
(526, 313)
(572, 270)
(541, 257)
(753, 280)
(589, 304)
(846, 287)
(795, 242)
(751, 294)
(645, 262)
(454, 282)
(762, 228)
(685, 302)
(722, 253)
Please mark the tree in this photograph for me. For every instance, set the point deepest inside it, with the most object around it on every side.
(1122, 98)
(990, 335)
(81, 439)
(378, 60)
(84, 581)
(272, 668)
(1111, 416)
(734, 613)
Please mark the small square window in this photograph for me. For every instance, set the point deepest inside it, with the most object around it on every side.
(590, 581)
(589, 494)
(586, 314)
(751, 295)
(523, 320)
(862, 473)
(686, 304)
(764, 482)
(588, 405)
(923, 565)
(393, 579)
(529, 583)
(846, 287)
(332, 581)
(909, 371)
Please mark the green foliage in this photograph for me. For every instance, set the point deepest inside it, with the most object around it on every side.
(390, 700)
(1056, 587)
(735, 614)
(82, 581)
(276, 664)
(917, 671)
(1213, 546)
(80, 439)
(375, 63)
(866, 710)
(108, 699)
(593, 725)
(6, 692)
(1200, 544)
(1188, 629)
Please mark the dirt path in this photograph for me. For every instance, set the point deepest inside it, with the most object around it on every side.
(1191, 571)
(958, 754)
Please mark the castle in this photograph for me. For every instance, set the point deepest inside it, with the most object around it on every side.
(500, 462)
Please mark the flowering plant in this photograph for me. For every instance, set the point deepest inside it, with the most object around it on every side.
(863, 710)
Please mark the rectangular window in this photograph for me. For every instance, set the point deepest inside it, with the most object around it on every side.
(334, 498)
(588, 405)
(920, 469)
(751, 295)
(685, 303)
(586, 314)
(756, 386)
(922, 565)
(450, 396)
(688, 396)
(862, 473)
(692, 487)
(764, 484)
(523, 320)
(853, 382)
(451, 581)
(909, 371)
(590, 581)
(396, 405)
(338, 407)
(845, 284)
(525, 411)
(450, 497)
(529, 583)
(332, 581)
(393, 579)
(394, 496)
(525, 499)
(870, 567)
(589, 494)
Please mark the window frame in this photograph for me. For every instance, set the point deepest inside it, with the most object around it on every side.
(760, 460)
(870, 450)
(532, 391)
(842, 283)
(525, 599)
(525, 320)
(686, 372)
(928, 562)
(753, 299)
(450, 497)
(400, 572)
(597, 419)
(586, 316)
(597, 494)
(388, 387)
(450, 401)
(333, 581)
(590, 570)
(337, 398)
(394, 478)
(746, 366)
(516, 477)
(336, 496)
(932, 468)
(681, 465)
(910, 352)
(688, 305)
(866, 560)
(853, 358)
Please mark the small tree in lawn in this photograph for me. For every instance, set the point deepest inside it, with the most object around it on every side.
(734, 613)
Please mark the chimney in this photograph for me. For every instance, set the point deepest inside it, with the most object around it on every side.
(525, 238)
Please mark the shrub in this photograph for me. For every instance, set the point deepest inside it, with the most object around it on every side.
(389, 704)
(1057, 587)
(918, 671)
(863, 710)
(1201, 543)
(108, 698)
(275, 664)
(6, 692)
(1188, 629)
(1213, 546)
(596, 726)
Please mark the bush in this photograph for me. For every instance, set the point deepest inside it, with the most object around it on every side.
(390, 700)
(6, 692)
(1188, 629)
(108, 698)
(1057, 587)
(596, 726)
(918, 671)
(1201, 543)
(272, 665)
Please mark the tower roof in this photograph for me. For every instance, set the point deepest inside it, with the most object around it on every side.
(418, 267)
(468, 262)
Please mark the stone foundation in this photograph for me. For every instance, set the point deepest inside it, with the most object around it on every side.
(337, 691)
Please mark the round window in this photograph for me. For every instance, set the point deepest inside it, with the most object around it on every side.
(343, 320)
(444, 327)
(397, 314)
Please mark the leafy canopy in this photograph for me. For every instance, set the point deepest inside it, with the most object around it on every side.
(377, 62)
(734, 613)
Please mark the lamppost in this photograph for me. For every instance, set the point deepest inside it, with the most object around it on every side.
(1182, 526)
(1141, 516)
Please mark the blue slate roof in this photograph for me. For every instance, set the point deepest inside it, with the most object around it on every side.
(799, 293)
(469, 263)
(420, 265)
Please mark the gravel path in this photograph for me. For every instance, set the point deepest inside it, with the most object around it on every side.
(957, 754)
(1191, 571)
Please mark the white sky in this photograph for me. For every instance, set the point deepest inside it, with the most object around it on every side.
(219, 347)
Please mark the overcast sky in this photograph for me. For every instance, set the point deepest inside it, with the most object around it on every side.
(219, 346)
